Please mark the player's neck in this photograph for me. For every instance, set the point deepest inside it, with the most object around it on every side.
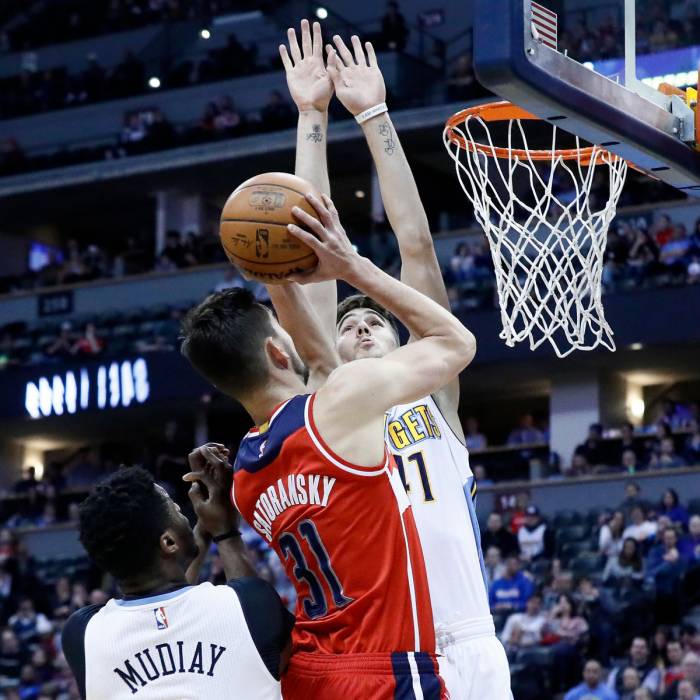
(261, 404)
(158, 582)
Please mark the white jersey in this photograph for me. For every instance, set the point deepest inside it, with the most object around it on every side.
(434, 466)
(205, 641)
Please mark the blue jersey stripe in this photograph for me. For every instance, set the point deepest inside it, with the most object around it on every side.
(259, 450)
(403, 676)
(475, 526)
(429, 681)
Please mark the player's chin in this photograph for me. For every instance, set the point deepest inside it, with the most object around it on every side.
(374, 351)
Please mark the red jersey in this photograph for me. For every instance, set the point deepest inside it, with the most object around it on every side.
(344, 533)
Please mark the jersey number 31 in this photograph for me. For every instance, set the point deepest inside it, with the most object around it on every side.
(315, 604)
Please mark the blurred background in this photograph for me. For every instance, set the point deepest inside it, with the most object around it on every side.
(125, 124)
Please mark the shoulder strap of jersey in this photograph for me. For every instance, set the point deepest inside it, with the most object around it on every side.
(269, 622)
(73, 642)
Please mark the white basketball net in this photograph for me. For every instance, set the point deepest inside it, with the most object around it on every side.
(547, 247)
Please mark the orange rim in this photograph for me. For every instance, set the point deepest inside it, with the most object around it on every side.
(507, 111)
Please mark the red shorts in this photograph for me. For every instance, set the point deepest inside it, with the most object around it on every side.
(394, 676)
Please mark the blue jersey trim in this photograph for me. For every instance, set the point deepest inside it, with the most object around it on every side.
(133, 602)
(258, 450)
(469, 495)
(429, 680)
(403, 677)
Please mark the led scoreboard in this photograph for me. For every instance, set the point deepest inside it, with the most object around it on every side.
(96, 387)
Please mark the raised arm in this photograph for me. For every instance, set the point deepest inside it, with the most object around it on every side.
(359, 85)
(211, 478)
(359, 393)
(298, 317)
(311, 89)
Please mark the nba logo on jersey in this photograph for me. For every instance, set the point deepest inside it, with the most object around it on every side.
(161, 618)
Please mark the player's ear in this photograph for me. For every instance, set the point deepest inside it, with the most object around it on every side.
(168, 542)
(277, 355)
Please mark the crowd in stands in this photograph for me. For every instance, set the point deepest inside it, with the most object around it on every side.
(661, 26)
(591, 604)
(36, 90)
(67, 20)
(595, 605)
(639, 253)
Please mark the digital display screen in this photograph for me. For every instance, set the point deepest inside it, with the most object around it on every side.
(100, 387)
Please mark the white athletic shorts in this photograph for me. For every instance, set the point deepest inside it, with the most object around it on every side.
(473, 662)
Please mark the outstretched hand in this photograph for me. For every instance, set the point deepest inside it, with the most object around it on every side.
(327, 239)
(358, 82)
(307, 78)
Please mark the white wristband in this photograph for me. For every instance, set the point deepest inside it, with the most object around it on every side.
(371, 112)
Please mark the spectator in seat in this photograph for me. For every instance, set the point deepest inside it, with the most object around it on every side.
(592, 448)
(639, 659)
(493, 563)
(662, 230)
(673, 669)
(535, 537)
(687, 691)
(666, 566)
(175, 251)
(63, 345)
(641, 529)
(90, 343)
(673, 253)
(692, 445)
(517, 517)
(496, 535)
(630, 683)
(511, 592)
(526, 433)
(643, 693)
(524, 629)
(592, 687)
(694, 270)
(27, 482)
(610, 536)
(627, 442)
(671, 507)
(630, 462)
(627, 567)
(690, 669)
(689, 546)
(632, 498)
(568, 630)
(473, 438)
(277, 114)
(462, 83)
(28, 624)
(667, 458)
(394, 31)
(12, 658)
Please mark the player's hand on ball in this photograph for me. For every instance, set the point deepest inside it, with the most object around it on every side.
(211, 478)
(327, 238)
(358, 82)
(307, 78)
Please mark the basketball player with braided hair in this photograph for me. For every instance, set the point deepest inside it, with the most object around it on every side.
(425, 436)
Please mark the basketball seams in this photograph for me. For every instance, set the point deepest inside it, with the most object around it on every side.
(255, 262)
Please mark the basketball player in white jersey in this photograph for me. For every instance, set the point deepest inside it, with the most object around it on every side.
(426, 435)
(166, 639)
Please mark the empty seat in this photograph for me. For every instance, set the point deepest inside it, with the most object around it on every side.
(571, 550)
(694, 506)
(565, 518)
(541, 657)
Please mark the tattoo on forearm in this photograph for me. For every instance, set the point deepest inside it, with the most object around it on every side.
(389, 143)
(315, 134)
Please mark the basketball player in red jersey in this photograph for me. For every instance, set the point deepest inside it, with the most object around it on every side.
(316, 481)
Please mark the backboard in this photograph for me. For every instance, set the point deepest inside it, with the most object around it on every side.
(516, 55)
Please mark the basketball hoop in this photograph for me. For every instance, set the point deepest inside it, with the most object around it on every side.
(547, 246)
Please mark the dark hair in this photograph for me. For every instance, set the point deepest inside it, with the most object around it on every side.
(362, 301)
(674, 496)
(572, 603)
(121, 522)
(223, 339)
(636, 559)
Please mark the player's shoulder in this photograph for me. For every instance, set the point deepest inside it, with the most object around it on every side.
(262, 444)
(77, 623)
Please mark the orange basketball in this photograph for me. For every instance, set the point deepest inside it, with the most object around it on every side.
(254, 222)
